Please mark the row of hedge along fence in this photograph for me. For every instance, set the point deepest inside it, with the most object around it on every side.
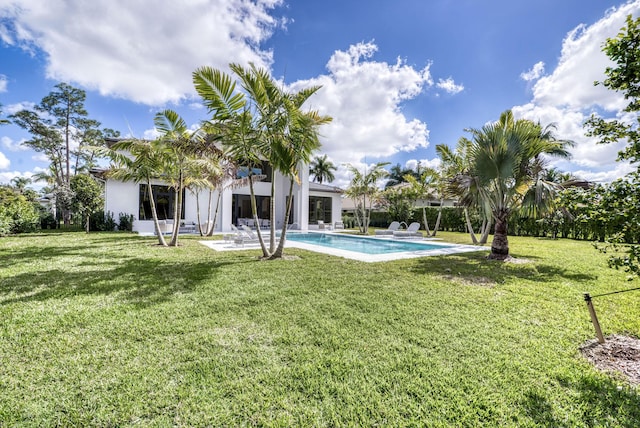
(581, 224)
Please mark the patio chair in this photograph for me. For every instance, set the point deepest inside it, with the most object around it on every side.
(413, 231)
(394, 226)
(245, 236)
(323, 226)
(338, 225)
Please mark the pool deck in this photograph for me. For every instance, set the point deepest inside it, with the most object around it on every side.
(447, 248)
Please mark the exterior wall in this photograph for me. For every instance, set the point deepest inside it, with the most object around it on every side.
(123, 197)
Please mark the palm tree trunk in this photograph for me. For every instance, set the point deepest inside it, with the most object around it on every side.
(272, 212)
(254, 213)
(424, 220)
(279, 252)
(212, 225)
(154, 214)
(469, 226)
(437, 226)
(485, 230)
(197, 195)
(177, 213)
(500, 243)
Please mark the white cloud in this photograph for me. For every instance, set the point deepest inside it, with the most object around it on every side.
(4, 162)
(14, 108)
(364, 97)
(449, 86)
(104, 45)
(41, 157)
(567, 96)
(429, 163)
(3, 83)
(14, 146)
(534, 73)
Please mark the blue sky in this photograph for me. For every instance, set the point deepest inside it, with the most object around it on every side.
(398, 77)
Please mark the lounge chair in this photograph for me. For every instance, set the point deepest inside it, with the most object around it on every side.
(338, 225)
(245, 236)
(413, 231)
(394, 226)
(323, 226)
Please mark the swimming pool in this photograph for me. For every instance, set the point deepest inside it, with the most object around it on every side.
(361, 244)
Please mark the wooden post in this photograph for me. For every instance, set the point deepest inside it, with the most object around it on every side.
(594, 318)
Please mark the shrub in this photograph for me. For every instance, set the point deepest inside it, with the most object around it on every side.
(126, 222)
(101, 221)
(17, 214)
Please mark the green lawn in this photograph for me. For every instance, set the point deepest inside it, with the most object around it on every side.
(111, 330)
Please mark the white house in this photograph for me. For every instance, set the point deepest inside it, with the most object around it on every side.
(311, 202)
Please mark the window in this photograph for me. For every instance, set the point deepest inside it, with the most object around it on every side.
(241, 206)
(319, 209)
(263, 168)
(163, 196)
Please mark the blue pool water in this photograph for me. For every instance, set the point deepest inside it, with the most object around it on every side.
(361, 244)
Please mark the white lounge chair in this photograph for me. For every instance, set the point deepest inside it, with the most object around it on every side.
(246, 236)
(338, 225)
(394, 226)
(413, 231)
(323, 226)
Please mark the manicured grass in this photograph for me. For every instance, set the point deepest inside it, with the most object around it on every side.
(111, 330)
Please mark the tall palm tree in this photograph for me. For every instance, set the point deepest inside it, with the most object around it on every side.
(182, 142)
(321, 168)
(506, 159)
(140, 161)
(267, 124)
(456, 166)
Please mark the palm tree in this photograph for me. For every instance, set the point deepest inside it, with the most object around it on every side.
(425, 187)
(321, 169)
(506, 160)
(456, 165)
(140, 161)
(182, 142)
(266, 125)
(20, 183)
(363, 190)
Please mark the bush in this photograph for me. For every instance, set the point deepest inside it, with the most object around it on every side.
(47, 219)
(101, 221)
(17, 214)
(126, 222)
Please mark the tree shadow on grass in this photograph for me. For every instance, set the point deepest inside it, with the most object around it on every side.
(603, 402)
(477, 265)
(137, 281)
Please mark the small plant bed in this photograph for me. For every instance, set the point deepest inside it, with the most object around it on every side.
(619, 355)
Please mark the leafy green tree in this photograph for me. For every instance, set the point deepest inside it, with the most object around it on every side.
(322, 169)
(61, 130)
(17, 213)
(363, 190)
(506, 160)
(398, 201)
(623, 77)
(87, 197)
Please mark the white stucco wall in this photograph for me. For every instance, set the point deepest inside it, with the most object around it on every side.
(123, 197)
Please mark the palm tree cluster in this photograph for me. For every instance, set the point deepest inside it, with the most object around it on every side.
(260, 121)
(502, 169)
